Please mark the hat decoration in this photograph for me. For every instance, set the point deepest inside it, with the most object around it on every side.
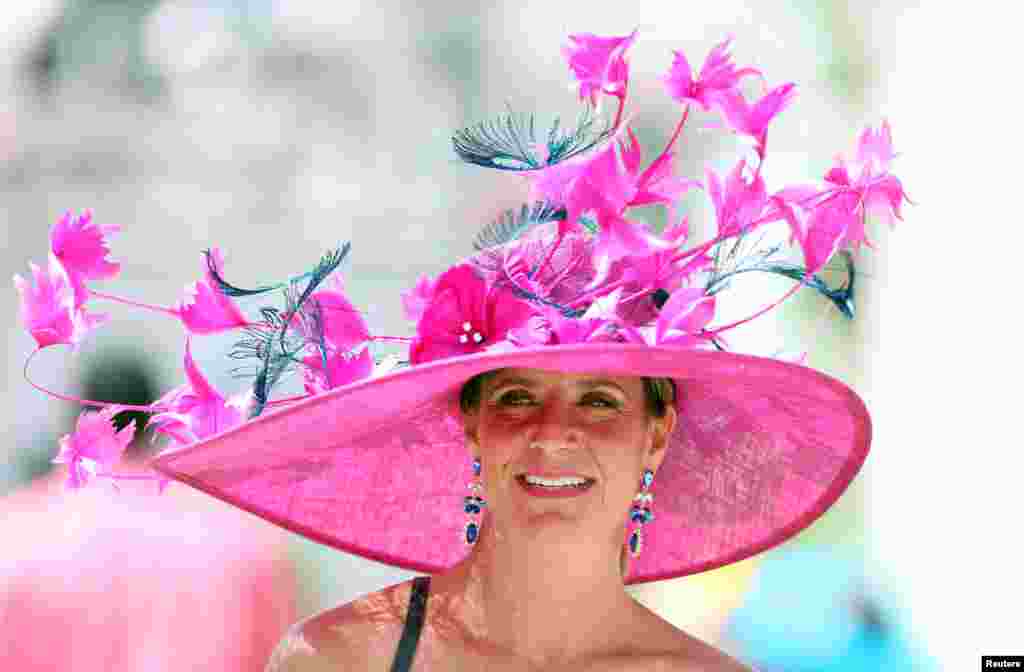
(567, 267)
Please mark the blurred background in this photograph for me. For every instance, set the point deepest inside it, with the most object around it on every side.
(276, 130)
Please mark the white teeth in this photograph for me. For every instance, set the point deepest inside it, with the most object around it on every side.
(555, 482)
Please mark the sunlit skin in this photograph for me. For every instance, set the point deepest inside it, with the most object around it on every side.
(543, 587)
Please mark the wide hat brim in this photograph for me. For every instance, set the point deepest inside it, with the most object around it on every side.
(379, 468)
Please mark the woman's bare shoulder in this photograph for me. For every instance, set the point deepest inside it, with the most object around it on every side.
(361, 634)
(670, 649)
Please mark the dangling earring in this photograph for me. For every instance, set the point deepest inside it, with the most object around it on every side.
(641, 514)
(473, 504)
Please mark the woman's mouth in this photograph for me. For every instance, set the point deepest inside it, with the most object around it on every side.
(554, 486)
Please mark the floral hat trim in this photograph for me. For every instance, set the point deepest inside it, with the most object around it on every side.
(568, 266)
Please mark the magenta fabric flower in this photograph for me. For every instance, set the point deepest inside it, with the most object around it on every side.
(48, 307)
(94, 447)
(753, 120)
(717, 75)
(196, 410)
(80, 245)
(205, 309)
(466, 315)
(599, 64)
(416, 300)
(738, 202)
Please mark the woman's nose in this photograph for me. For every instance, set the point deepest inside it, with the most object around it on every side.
(554, 423)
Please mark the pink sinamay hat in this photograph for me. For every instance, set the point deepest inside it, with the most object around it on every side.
(372, 459)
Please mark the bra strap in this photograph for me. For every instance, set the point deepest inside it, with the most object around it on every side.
(413, 624)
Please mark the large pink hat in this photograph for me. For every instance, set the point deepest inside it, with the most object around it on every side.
(372, 458)
(379, 467)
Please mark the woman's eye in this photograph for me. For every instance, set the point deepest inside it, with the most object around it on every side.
(515, 398)
(600, 401)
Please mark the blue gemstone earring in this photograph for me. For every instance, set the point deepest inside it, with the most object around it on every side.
(473, 505)
(641, 514)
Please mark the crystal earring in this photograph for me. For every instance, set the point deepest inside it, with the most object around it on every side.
(473, 505)
(641, 514)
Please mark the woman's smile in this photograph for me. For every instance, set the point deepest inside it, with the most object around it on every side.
(554, 486)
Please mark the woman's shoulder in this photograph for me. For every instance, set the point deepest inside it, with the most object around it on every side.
(362, 634)
(670, 649)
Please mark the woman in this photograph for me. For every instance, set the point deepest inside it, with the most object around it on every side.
(570, 372)
(543, 588)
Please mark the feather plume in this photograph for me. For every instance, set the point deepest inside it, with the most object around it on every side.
(510, 225)
(510, 142)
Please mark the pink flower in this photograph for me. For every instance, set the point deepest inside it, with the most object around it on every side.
(196, 410)
(595, 181)
(657, 184)
(717, 76)
(332, 360)
(661, 270)
(830, 226)
(609, 178)
(205, 309)
(753, 120)
(94, 447)
(738, 203)
(600, 323)
(337, 368)
(837, 220)
(416, 300)
(81, 246)
(598, 64)
(791, 204)
(466, 315)
(48, 307)
(879, 192)
(874, 149)
(342, 325)
(602, 185)
(683, 318)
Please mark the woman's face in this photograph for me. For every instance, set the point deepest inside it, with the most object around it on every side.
(560, 448)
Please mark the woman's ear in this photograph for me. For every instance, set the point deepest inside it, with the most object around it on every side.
(662, 432)
(471, 423)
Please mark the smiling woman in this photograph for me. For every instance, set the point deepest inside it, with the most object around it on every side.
(560, 456)
(553, 435)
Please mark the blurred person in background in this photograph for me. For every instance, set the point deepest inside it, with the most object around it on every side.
(125, 580)
(814, 610)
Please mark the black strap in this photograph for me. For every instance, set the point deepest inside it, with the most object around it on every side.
(413, 624)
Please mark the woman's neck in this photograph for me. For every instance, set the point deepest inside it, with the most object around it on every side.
(541, 594)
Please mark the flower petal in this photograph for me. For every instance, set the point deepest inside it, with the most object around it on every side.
(81, 246)
(684, 316)
(205, 309)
